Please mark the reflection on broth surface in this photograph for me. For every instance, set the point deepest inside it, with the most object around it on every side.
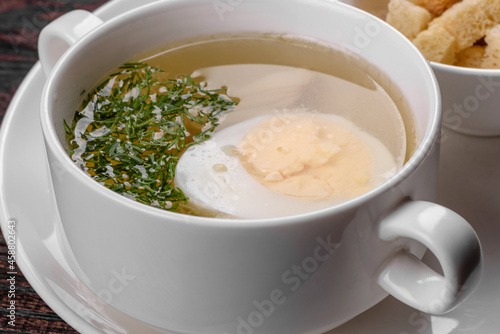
(237, 83)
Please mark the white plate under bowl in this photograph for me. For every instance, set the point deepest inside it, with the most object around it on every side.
(470, 183)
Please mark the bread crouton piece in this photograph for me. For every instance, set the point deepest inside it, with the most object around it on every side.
(491, 57)
(436, 7)
(437, 45)
(471, 57)
(468, 20)
(408, 18)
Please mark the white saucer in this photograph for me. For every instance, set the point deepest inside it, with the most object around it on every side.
(470, 184)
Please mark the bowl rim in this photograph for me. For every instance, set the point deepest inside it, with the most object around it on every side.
(424, 148)
(469, 71)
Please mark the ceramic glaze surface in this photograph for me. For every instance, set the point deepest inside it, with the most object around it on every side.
(192, 274)
(45, 263)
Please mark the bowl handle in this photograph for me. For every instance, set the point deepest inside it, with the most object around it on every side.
(453, 242)
(60, 34)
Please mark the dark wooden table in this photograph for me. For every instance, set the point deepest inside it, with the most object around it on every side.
(20, 24)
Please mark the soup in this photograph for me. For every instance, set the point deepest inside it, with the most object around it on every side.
(256, 99)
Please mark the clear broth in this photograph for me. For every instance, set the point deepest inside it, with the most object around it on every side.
(251, 66)
(270, 73)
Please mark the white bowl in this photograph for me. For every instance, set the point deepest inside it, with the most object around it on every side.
(303, 273)
(470, 97)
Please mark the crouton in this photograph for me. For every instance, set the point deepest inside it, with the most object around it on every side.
(468, 21)
(437, 45)
(408, 18)
(436, 7)
(471, 57)
(491, 57)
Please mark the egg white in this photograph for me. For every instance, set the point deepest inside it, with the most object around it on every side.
(214, 179)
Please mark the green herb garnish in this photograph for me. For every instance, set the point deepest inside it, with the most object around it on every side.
(134, 126)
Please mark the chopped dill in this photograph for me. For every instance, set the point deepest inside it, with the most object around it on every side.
(134, 126)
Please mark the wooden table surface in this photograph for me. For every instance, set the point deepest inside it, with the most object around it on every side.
(20, 24)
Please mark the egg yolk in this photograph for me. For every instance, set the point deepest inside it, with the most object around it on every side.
(308, 157)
